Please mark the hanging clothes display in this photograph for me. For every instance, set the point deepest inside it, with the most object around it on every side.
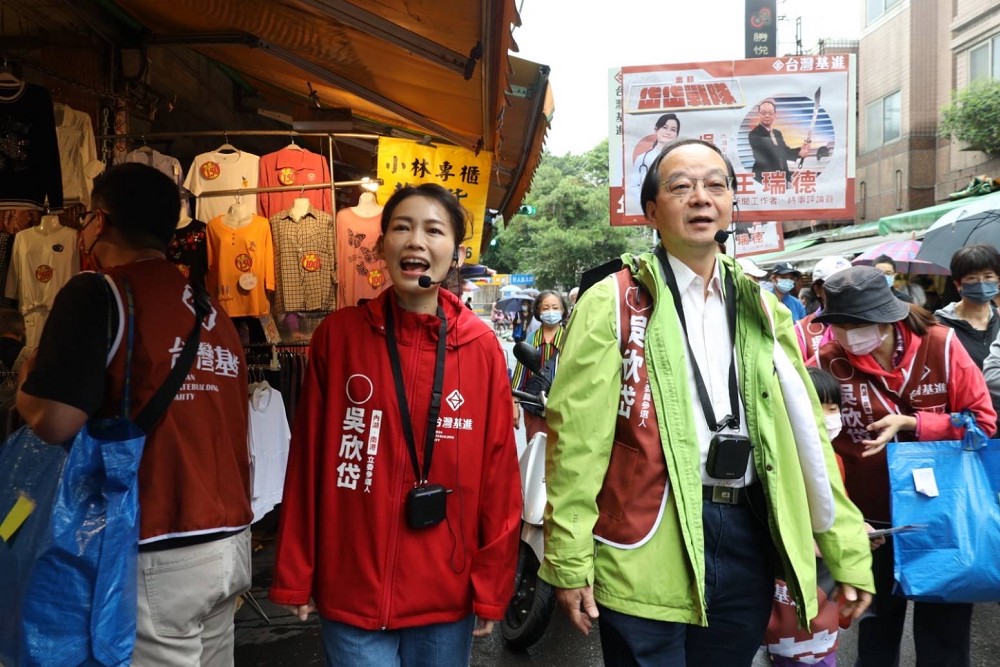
(77, 154)
(188, 250)
(269, 435)
(219, 170)
(30, 175)
(44, 259)
(165, 164)
(361, 272)
(304, 248)
(240, 264)
(292, 166)
(6, 254)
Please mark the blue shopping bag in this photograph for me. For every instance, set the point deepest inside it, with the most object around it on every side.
(30, 473)
(81, 605)
(957, 557)
(68, 570)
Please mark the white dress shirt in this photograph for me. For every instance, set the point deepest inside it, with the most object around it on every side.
(709, 336)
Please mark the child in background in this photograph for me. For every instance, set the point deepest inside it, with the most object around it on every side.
(787, 644)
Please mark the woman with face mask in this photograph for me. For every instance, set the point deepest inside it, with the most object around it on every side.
(975, 271)
(901, 374)
(550, 309)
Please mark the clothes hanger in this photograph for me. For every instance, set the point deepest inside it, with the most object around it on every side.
(8, 73)
(10, 83)
(227, 147)
(293, 146)
(145, 148)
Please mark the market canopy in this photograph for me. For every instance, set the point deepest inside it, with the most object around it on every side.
(923, 218)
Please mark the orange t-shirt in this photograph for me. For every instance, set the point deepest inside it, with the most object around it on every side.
(240, 266)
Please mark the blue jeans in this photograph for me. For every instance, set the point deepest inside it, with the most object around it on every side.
(739, 585)
(440, 644)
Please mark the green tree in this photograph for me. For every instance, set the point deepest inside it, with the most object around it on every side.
(570, 231)
(974, 116)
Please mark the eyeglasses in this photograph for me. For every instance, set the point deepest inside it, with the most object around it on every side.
(682, 188)
(88, 217)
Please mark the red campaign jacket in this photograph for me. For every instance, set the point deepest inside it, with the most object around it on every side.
(935, 378)
(343, 539)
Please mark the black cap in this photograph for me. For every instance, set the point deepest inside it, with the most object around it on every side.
(784, 268)
(860, 295)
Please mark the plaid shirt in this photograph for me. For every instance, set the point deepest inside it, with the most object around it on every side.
(304, 261)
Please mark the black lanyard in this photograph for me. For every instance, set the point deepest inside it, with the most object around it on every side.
(732, 420)
(404, 409)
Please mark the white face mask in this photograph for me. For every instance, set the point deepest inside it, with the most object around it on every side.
(833, 425)
(860, 341)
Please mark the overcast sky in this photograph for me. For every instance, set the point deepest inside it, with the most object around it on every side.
(581, 39)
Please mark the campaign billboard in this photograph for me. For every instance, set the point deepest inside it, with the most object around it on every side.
(786, 124)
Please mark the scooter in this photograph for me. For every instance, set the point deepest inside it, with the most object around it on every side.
(534, 601)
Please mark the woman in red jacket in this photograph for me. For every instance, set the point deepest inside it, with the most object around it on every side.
(901, 375)
(402, 497)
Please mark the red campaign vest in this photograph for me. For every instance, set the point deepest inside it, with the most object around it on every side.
(631, 497)
(866, 399)
(194, 476)
(809, 334)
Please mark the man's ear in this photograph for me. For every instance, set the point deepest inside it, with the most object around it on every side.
(650, 211)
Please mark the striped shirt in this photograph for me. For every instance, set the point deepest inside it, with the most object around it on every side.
(548, 350)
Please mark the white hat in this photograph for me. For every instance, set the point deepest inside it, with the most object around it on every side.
(828, 266)
(750, 268)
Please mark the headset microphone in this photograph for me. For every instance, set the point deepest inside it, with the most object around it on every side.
(425, 281)
(721, 236)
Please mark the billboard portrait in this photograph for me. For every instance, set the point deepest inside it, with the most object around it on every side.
(787, 125)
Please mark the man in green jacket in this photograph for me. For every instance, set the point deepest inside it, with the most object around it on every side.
(688, 460)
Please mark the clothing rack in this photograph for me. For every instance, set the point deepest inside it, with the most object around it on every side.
(284, 188)
(236, 133)
(330, 136)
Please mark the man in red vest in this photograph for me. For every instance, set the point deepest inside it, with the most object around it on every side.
(194, 475)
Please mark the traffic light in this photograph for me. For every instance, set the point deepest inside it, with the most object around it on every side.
(526, 210)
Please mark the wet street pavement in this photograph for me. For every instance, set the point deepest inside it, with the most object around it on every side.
(287, 642)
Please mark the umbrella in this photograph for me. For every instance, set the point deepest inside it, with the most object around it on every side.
(508, 290)
(905, 254)
(512, 304)
(469, 286)
(530, 291)
(971, 206)
(941, 243)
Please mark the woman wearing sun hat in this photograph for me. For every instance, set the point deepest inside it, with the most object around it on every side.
(901, 375)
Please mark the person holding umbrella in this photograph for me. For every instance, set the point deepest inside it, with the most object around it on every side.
(975, 271)
(877, 341)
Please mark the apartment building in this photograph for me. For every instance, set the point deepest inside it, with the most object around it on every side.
(912, 55)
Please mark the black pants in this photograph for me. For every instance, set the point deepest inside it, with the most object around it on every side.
(739, 587)
(940, 631)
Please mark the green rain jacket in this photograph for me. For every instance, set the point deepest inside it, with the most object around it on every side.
(664, 579)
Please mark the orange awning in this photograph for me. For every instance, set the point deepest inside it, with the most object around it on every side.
(426, 67)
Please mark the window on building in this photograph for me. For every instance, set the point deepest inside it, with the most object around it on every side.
(883, 121)
(876, 8)
(984, 60)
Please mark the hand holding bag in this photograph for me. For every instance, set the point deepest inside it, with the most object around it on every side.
(956, 558)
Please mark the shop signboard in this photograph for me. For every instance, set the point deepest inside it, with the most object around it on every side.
(756, 238)
(787, 125)
(467, 175)
(522, 279)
